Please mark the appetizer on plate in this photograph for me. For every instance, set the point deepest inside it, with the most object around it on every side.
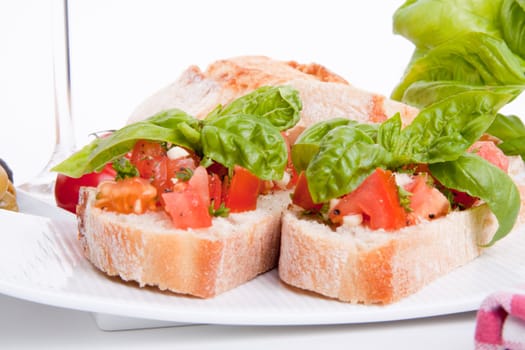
(206, 178)
(380, 210)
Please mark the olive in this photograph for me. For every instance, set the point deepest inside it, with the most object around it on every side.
(4, 165)
(4, 182)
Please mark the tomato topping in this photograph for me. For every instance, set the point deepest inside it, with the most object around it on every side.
(215, 186)
(301, 195)
(131, 195)
(242, 190)
(188, 204)
(152, 162)
(376, 199)
(66, 188)
(426, 201)
(490, 152)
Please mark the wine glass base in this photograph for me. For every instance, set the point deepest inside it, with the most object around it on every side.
(41, 187)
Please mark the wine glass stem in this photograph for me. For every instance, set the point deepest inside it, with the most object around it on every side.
(64, 131)
(42, 185)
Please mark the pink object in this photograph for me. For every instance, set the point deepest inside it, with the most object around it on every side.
(500, 321)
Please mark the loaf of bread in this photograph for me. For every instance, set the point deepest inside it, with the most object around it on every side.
(324, 94)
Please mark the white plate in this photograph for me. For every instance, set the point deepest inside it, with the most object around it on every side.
(41, 261)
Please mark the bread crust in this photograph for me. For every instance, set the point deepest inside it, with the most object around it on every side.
(324, 94)
(203, 263)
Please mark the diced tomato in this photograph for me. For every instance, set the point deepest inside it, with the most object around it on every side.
(215, 186)
(301, 195)
(152, 162)
(463, 199)
(376, 199)
(188, 204)
(490, 152)
(219, 169)
(242, 191)
(145, 157)
(131, 195)
(426, 201)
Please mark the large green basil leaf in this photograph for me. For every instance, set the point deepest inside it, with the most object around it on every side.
(511, 131)
(280, 105)
(307, 144)
(346, 156)
(248, 141)
(444, 130)
(173, 126)
(474, 175)
(472, 59)
(512, 18)
(429, 23)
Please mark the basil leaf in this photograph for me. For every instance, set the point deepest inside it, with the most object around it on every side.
(511, 131)
(248, 141)
(124, 169)
(389, 132)
(429, 23)
(307, 144)
(421, 94)
(280, 105)
(512, 19)
(514, 147)
(444, 130)
(346, 156)
(161, 127)
(474, 175)
(472, 59)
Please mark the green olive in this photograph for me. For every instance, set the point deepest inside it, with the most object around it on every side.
(7, 192)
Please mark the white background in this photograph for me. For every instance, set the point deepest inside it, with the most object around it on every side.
(123, 51)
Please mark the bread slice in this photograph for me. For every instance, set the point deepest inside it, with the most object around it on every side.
(202, 262)
(325, 95)
(358, 265)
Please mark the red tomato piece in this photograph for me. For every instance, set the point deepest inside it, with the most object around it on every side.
(66, 188)
(426, 201)
(490, 152)
(215, 185)
(188, 204)
(145, 157)
(243, 191)
(376, 199)
(301, 195)
(151, 160)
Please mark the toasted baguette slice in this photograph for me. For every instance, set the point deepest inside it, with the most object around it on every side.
(202, 262)
(358, 265)
(325, 95)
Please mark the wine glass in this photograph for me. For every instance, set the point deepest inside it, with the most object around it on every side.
(42, 185)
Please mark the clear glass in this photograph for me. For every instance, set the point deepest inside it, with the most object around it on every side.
(42, 185)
